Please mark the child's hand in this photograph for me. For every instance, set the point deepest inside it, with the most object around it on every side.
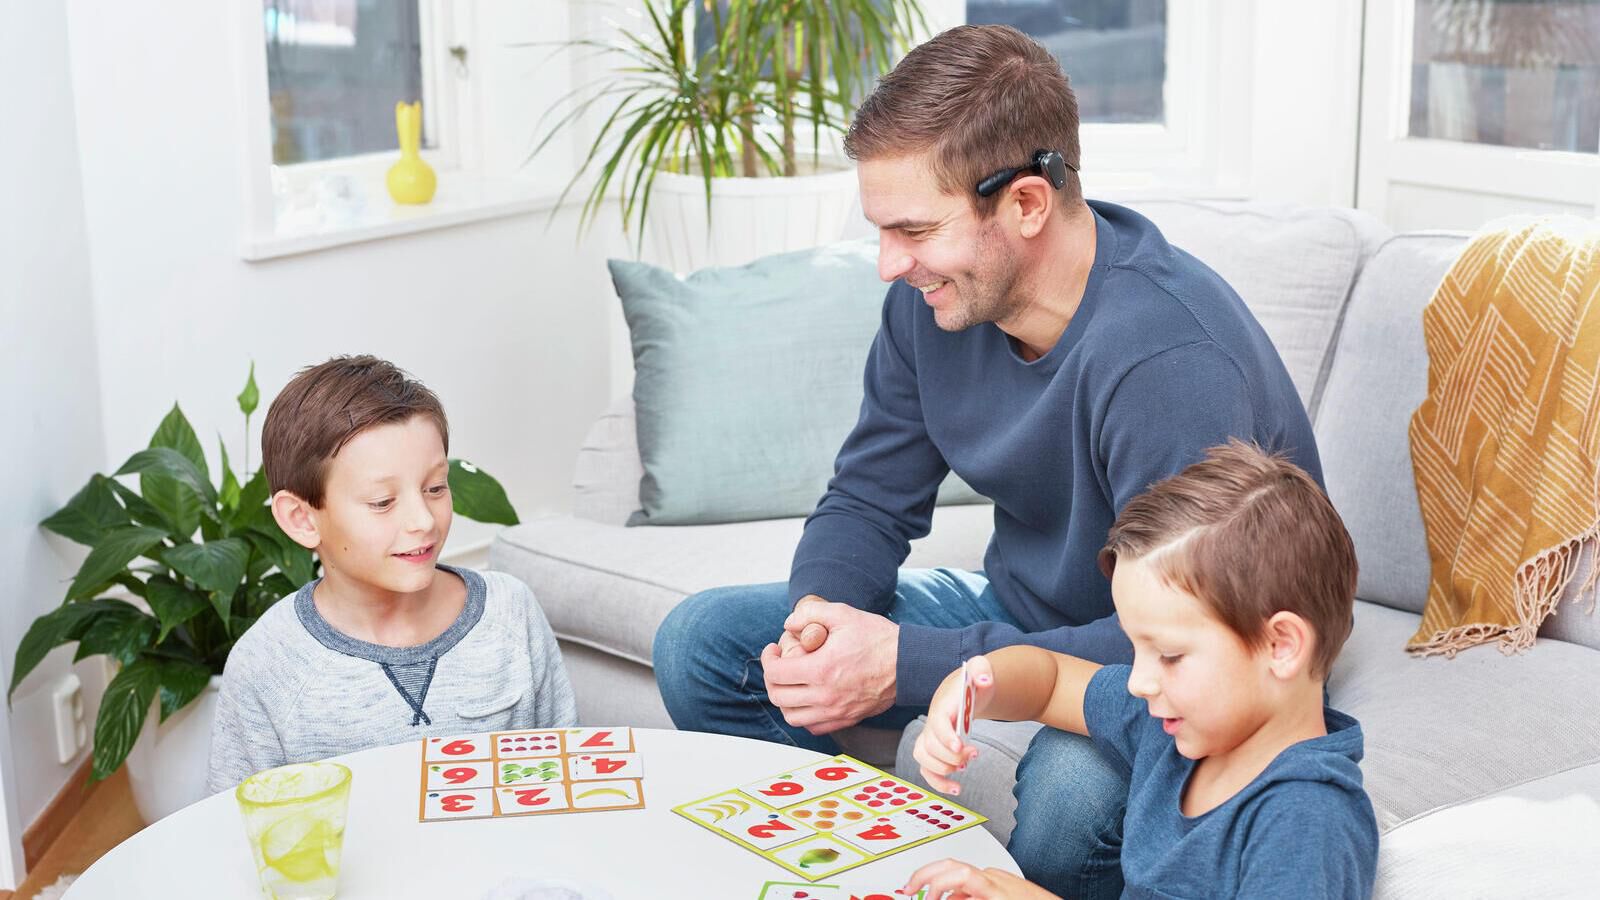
(939, 750)
(954, 880)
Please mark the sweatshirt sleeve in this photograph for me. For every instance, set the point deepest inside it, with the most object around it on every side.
(555, 705)
(886, 478)
(244, 740)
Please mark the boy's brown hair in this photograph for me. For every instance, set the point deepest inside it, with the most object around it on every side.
(981, 98)
(1248, 534)
(326, 405)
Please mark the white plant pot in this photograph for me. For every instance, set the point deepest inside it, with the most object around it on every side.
(167, 766)
(750, 217)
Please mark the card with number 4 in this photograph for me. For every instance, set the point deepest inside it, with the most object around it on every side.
(589, 766)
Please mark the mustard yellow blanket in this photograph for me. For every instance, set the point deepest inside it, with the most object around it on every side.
(1506, 447)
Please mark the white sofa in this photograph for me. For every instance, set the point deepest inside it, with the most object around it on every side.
(1484, 770)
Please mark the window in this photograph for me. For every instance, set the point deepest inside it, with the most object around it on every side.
(336, 68)
(1515, 74)
(1114, 51)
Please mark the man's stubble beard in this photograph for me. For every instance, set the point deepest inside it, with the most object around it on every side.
(986, 290)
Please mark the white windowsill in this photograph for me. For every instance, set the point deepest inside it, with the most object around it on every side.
(355, 207)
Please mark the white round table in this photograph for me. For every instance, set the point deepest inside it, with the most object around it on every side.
(201, 851)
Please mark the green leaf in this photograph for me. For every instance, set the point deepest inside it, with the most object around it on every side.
(250, 397)
(118, 547)
(215, 566)
(121, 634)
(229, 492)
(89, 513)
(173, 603)
(169, 463)
(176, 433)
(122, 713)
(177, 503)
(475, 494)
(59, 626)
(252, 510)
(181, 682)
(291, 559)
(142, 512)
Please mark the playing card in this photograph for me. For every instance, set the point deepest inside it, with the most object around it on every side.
(615, 740)
(829, 813)
(784, 790)
(526, 744)
(886, 794)
(815, 858)
(887, 833)
(462, 746)
(521, 772)
(522, 801)
(838, 772)
(457, 804)
(764, 829)
(796, 890)
(589, 766)
(964, 716)
(621, 794)
(459, 775)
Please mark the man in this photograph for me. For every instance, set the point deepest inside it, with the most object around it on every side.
(1060, 356)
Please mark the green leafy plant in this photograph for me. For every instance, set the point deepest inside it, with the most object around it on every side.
(204, 561)
(736, 107)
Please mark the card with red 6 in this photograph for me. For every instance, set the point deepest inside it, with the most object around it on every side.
(451, 748)
(785, 790)
(458, 776)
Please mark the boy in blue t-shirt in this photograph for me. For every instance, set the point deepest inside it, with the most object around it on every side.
(1235, 581)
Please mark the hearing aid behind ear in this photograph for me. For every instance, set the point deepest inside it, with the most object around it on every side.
(1049, 163)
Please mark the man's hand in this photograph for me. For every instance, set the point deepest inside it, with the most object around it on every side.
(850, 676)
(954, 880)
(800, 633)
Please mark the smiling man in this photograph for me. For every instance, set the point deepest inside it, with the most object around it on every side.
(1060, 356)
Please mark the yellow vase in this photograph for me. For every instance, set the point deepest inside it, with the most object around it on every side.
(410, 180)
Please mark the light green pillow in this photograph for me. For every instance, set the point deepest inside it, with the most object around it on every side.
(748, 379)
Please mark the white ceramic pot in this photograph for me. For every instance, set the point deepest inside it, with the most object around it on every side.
(750, 217)
(167, 766)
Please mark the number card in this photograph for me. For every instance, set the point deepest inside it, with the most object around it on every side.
(822, 819)
(798, 890)
(523, 773)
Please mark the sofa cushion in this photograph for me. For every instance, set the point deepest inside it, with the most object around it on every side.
(1293, 266)
(1425, 749)
(609, 587)
(748, 379)
(1378, 377)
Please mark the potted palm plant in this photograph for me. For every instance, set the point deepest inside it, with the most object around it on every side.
(722, 111)
(177, 570)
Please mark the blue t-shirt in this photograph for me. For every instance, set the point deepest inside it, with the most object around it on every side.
(1303, 828)
(1160, 362)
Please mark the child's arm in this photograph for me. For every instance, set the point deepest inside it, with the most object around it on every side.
(947, 877)
(1016, 684)
(243, 739)
(553, 703)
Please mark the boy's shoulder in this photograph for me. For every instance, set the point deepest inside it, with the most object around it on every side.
(276, 643)
(507, 601)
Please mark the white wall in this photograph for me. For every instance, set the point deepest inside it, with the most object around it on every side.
(52, 439)
(504, 319)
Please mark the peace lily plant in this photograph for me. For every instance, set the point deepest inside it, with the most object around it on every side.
(178, 569)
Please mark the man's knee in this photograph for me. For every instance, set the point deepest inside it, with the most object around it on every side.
(708, 628)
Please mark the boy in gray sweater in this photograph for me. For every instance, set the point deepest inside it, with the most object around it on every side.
(388, 645)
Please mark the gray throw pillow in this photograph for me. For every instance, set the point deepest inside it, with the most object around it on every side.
(748, 379)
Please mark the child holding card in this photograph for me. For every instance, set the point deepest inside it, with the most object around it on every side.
(1235, 580)
(389, 645)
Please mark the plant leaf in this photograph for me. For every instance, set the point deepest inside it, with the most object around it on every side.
(118, 547)
(181, 682)
(65, 623)
(120, 634)
(291, 559)
(176, 433)
(122, 713)
(250, 397)
(170, 463)
(215, 566)
(172, 603)
(475, 494)
(141, 511)
(228, 494)
(89, 514)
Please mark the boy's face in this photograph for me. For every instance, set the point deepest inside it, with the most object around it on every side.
(386, 506)
(1210, 689)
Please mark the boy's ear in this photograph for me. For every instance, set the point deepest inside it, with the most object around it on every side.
(1290, 641)
(297, 518)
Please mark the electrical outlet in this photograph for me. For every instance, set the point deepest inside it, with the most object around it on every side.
(72, 732)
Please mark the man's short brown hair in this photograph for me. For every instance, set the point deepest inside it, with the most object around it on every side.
(981, 98)
(1248, 534)
(326, 405)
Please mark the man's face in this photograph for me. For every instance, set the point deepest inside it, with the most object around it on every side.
(966, 268)
(1210, 689)
(386, 506)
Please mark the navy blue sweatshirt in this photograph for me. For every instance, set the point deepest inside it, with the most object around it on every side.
(1161, 361)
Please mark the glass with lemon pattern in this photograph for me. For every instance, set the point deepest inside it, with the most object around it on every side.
(294, 816)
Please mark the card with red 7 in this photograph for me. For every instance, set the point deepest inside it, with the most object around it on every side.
(838, 772)
(787, 789)
(526, 744)
(523, 801)
(888, 833)
(590, 766)
(461, 746)
(613, 740)
(476, 803)
(885, 794)
(456, 776)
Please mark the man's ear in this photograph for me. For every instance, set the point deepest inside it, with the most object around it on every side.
(297, 518)
(1033, 199)
(1290, 643)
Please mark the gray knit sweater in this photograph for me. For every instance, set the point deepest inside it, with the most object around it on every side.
(295, 689)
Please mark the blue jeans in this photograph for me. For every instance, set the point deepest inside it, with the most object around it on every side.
(707, 659)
